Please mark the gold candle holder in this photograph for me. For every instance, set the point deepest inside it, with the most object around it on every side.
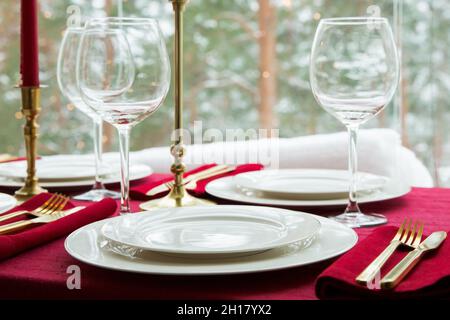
(31, 107)
(177, 197)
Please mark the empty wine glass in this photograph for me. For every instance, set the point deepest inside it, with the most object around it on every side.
(66, 75)
(123, 73)
(354, 74)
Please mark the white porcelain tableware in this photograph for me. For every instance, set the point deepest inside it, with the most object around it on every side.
(137, 172)
(333, 239)
(307, 184)
(225, 188)
(7, 202)
(52, 170)
(212, 230)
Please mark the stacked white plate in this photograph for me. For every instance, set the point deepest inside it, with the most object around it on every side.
(304, 188)
(7, 202)
(210, 240)
(66, 171)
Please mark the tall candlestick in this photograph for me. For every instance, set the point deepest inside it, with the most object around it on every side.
(177, 197)
(30, 87)
(29, 53)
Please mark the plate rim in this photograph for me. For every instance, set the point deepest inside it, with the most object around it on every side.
(12, 204)
(403, 189)
(280, 212)
(210, 273)
(47, 163)
(5, 183)
(246, 185)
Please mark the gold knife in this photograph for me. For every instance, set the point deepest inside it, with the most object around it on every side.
(163, 187)
(192, 184)
(46, 218)
(396, 275)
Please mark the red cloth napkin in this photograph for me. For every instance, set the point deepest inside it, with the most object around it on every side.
(14, 159)
(139, 192)
(430, 278)
(40, 234)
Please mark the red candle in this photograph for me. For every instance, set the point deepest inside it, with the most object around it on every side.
(29, 52)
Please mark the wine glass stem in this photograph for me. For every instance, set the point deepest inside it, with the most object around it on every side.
(353, 207)
(124, 139)
(98, 150)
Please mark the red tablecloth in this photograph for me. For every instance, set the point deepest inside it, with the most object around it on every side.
(41, 273)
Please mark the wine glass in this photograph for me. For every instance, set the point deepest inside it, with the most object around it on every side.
(354, 74)
(123, 73)
(66, 75)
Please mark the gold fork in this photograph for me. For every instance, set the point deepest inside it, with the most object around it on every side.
(408, 234)
(56, 213)
(46, 208)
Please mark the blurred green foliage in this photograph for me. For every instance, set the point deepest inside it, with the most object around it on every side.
(222, 72)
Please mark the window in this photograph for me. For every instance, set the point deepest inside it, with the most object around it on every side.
(235, 78)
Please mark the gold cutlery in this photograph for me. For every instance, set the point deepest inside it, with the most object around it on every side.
(204, 174)
(55, 203)
(405, 236)
(396, 275)
(191, 184)
(42, 219)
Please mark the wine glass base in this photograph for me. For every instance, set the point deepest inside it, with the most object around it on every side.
(358, 220)
(97, 195)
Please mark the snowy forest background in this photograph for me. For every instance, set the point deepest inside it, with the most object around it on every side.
(247, 67)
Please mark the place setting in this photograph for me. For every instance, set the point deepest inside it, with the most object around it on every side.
(44, 218)
(210, 241)
(116, 216)
(304, 188)
(68, 171)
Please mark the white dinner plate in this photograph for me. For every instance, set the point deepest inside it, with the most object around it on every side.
(7, 202)
(212, 230)
(333, 239)
(54, 170)
(225, 188)
(137, 172)
(307, 184)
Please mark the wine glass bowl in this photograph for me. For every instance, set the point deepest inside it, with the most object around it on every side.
(354, 69)
(354, 74)
(123, 73)
(66, 70)
(67, 82)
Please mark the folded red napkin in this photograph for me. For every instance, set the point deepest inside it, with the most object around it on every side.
(139, 192)
(430, 278)
(42, 233)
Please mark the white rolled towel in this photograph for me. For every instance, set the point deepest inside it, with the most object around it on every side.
(379, 152)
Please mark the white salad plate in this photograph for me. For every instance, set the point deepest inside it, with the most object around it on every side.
(333, 239)
(212, 230)
(307, 184)
(53, 170)
(7, 202)
(225, 188)
(137, 171)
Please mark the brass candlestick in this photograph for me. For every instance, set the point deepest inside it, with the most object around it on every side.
(177, 197)
(31, 107)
